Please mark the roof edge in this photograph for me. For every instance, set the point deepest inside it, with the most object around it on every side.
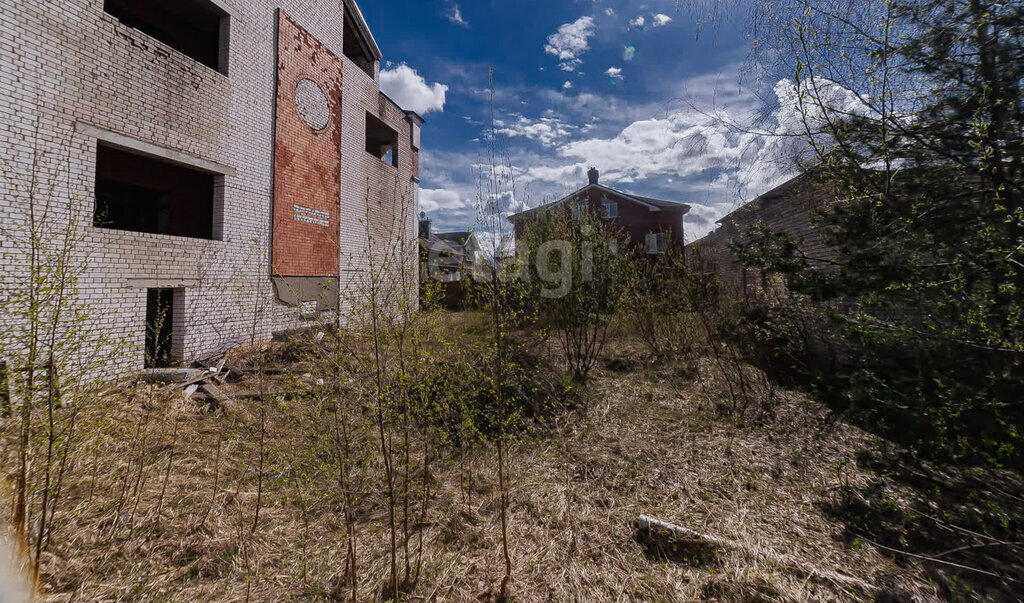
(683, 206)
(364, 29)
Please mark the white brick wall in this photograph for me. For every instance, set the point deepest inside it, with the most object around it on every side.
(67, 61)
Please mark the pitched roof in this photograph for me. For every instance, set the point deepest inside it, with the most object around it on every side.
(779, 192)
(433, 243)
(458, 238)
(652, 203)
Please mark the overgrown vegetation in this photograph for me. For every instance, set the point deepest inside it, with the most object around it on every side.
(928, 167)
(399, 452)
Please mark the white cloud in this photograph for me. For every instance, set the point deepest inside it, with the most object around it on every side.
(638, 22)
(547, 130)
(570, 42)
(661, 20)
(441, 199)
(411, 91)
(704, 154)
(614, 72)
(610, 12)
(567, 85)
(454, 15)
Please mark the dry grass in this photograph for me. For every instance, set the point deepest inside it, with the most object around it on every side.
(650, 440)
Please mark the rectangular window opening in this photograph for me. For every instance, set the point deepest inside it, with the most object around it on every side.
(160, 327)
(140, 194)
(381, 141)
(657, 243)
(196, 28)
(579, 209)
(609, 209)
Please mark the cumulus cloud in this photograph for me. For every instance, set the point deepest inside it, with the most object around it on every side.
(567, 85)
(411, 91)
(706, 153)
(614, 72)
(638, 22)
(440, 200)
(454, 14)
(660, 20)
(570, 42)
(610, 12)
(547, 130)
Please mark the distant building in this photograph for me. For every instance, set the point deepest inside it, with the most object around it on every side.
(653, 225)
(789, 208)
(447, 256)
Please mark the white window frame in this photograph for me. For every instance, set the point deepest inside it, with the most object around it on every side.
(578, 209)
(657, 243)
(609, 208)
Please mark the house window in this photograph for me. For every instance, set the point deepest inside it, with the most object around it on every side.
(657, 243)
(609, 209)
(197, 28)
(579, 209)
(141, 194)
(381, 141)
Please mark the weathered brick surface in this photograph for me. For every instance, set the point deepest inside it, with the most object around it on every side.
(68, 61)
(789, 208)
(635, 219)
(307, 162)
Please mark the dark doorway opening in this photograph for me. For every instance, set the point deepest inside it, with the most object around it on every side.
(5, 392)
(141, 194)
(159, 328)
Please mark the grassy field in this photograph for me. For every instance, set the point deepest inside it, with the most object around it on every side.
(159, 501)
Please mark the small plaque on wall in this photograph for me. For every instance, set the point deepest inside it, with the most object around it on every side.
(308, 215)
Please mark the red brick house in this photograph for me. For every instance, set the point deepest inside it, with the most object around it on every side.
(789, 208)
(652, 225)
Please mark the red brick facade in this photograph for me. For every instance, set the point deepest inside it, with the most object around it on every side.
(636, 217)
(307, 162)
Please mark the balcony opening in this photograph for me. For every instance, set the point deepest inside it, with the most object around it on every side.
(160, 315)
(140, 194)
(381, 141)
(355, 48)
(196, 28)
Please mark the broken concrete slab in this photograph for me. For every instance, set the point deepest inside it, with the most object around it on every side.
(171, 375)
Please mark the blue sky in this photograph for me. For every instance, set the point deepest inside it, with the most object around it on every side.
(645, 92)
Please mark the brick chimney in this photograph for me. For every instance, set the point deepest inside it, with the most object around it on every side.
(593, 174)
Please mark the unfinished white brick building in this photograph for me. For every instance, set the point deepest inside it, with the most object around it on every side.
(219, 162)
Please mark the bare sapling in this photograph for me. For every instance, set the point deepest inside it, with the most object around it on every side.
(45, 335)
(497, 187)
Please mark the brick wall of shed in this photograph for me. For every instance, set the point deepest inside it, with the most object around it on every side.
(790, 210)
